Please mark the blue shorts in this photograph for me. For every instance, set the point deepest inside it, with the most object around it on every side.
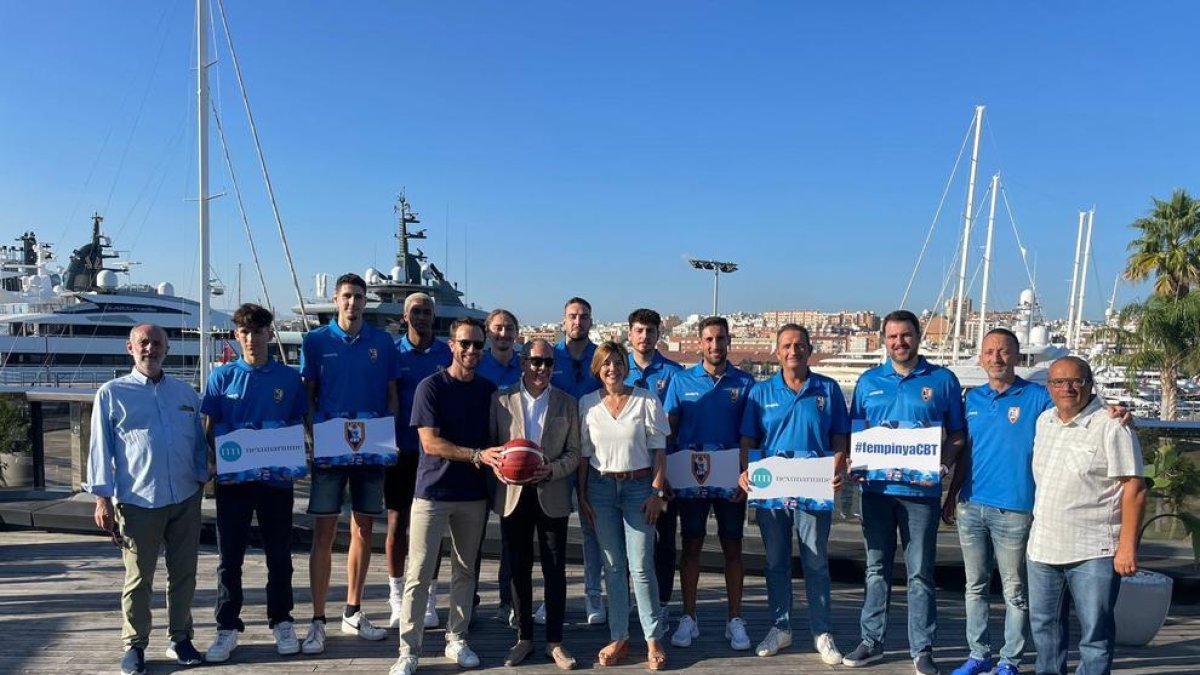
(328, 491)
(693, 517)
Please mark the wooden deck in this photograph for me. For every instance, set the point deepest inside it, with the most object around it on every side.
(60, 613)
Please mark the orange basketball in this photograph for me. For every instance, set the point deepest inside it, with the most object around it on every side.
(520, 460)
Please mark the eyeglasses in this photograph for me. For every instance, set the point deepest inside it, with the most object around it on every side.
(118, 540)
(1061, 382)
(541, 361)
(467, 345)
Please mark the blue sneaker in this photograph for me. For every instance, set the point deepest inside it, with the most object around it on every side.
(1006, 668)
(974, 666)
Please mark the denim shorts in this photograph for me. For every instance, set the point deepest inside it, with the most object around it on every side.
(328, 491)
(693, 517)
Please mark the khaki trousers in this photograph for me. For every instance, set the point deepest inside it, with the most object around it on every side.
(426, 527)
(175, 528)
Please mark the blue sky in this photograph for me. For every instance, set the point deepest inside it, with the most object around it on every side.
(557, 149)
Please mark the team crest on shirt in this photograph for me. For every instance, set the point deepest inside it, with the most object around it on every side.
(278, 395)
(701, 467)
(660, 385)
(820, 404)
(733, 395)
(1014, 414)
(374, 354)
(926, 394)
(356, 434)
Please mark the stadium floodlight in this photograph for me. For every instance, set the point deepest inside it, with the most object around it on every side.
(717, 267)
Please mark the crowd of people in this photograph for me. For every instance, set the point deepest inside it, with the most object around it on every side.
(1044, 485)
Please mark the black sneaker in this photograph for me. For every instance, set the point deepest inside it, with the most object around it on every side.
(863, 655)
(924, 664)
(134, 661)
(184, 653)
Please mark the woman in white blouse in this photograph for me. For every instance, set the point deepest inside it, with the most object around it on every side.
(624, 433)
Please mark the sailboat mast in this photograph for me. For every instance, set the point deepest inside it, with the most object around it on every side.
(966, 238)
(1074, 282)
(987, 262)
(1087, 253)
(202, 121)
(402, 256)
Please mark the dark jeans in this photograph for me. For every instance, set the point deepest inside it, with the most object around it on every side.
(518, 529)
(236, 505)
(666, 556)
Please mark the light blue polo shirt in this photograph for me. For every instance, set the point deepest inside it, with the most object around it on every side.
(352, 373)
(655, 377)
(1001, 427)
(574, 377)
(929, 394)
(413, 366)
(709, 411)
(500, 375)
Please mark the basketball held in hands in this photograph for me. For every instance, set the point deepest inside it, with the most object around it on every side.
(520, 460)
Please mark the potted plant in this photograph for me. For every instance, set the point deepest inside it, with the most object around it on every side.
(16, 460)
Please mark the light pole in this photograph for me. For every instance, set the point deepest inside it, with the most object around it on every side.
(717, 267)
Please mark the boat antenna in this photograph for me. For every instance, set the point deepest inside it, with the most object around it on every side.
(202, 65)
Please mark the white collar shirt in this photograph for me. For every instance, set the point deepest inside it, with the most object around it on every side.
(533, 409)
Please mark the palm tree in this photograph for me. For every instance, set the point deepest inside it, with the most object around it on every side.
(1165, 336)
(1169, 246)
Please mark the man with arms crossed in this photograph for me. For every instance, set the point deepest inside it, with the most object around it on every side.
(906, 388)
(419, 355)
(704, 406)
(349, 369)
(148, 454)
(450, 411)
(1086, 520)
(649, 369)
(253, 392)
(796, 413)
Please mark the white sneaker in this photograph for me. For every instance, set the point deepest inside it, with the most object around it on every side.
(314, 642)
(431, 614)
(828, 650)
(539, 616)
(394, 619)
(776, 639)
(405, 665)
(597, 613)
(735, 632)
(361, 626)
(222, 646)
(286, 642)
(460, 652)
(686, 632)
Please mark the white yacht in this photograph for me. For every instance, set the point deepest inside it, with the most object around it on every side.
(69, 327)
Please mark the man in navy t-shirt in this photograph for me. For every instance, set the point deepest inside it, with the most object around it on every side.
(253, 392)
(451, 411)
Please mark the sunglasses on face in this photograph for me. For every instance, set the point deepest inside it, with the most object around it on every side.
(541, 361)
(467, 345)
(1059, 383)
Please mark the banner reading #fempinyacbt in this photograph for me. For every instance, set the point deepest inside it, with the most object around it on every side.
(902, 452)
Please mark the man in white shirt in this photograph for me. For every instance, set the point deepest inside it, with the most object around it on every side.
(1087, 512)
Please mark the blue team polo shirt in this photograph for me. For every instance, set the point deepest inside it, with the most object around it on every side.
(1001, 427)
(240, 396)
(574, 377)
(500, 375)
(413, 366)
(352, 373)
(795, 423)
(929, 394)
(655, 377)
(709, 411)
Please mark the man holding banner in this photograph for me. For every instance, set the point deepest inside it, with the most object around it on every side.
(704, 406)
(800, 415)
(913, 416)
(265, 402)
(349, 369)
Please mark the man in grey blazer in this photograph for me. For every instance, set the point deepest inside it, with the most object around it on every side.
(534, 410)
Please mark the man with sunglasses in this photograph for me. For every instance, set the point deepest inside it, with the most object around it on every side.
(148, 454)
(419, 355)
(451, 411)
(573, 374)
(1087, 514)
(649, 369)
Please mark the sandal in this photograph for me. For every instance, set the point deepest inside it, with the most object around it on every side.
(611, 655)
(656, 658)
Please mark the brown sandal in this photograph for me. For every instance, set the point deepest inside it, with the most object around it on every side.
(612, 656)
(656, 658)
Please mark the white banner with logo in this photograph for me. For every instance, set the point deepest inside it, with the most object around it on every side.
(261, 454)
(354, 442)
(701, 474)
(804, 480)
(897, 451)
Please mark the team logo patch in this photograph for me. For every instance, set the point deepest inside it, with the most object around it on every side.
(278, 395)
(374, 354)
(1014, 414)
(926, 394)
(733, 395)
(660, 385)
(356, 434)
(820, 404)
(701, 467)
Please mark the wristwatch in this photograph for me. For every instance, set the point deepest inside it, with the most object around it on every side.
(659, 492)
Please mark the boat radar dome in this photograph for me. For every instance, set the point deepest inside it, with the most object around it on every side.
(372, 276)
(397, 274)
(1027, 298)
(165, 288)
(1039, 335)
(106, 280)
